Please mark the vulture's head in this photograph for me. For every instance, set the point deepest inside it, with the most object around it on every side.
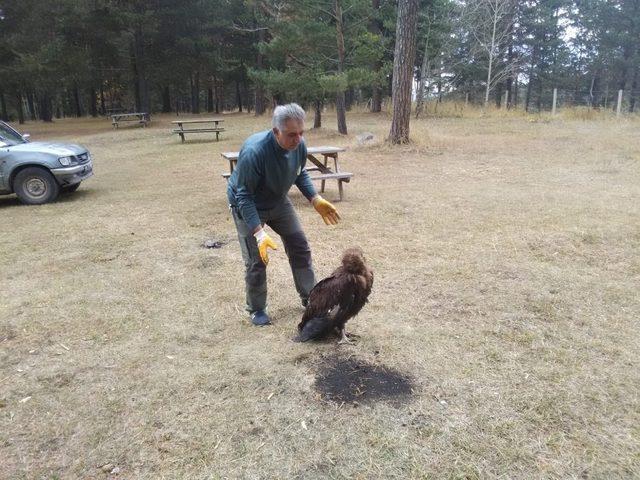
(353, 261)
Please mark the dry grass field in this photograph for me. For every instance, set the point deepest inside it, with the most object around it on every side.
(507, 259)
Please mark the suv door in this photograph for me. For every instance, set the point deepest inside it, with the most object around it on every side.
(8, 138)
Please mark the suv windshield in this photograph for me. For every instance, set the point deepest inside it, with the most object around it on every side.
(8, 136)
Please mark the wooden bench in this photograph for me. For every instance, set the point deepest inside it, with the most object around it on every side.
(141, 118)
(181, 130)
(323, 174)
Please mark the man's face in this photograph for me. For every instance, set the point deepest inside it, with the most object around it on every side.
(291, 135)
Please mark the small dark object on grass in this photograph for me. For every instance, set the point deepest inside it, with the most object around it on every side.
(213, 244)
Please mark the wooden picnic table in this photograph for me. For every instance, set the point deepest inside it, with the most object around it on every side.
(321, 166)
(181, 130)
(142, 118)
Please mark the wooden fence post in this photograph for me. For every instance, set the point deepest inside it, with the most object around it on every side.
(555, 100)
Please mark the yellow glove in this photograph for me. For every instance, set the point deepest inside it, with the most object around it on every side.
(326, 210)
(264, 241)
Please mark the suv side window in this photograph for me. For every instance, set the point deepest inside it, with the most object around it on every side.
(8, 136)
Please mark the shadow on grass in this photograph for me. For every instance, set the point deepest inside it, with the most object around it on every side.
(12, 200)
(78, 195)
(347, 379)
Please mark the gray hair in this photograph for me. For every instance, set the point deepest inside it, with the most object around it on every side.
(283, 113)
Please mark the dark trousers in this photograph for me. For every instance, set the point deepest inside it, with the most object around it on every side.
(285, 222)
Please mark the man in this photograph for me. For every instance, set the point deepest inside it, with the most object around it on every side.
(269, 164)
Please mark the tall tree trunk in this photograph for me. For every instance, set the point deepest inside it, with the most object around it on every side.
(317, 118)
(340, 99)
(511, 59)
(341, 113)
(136, 79)
(633, 94)
(439, 82)
(209, 99)
(594, 91)
(631, 10)
(142, 85)
(59, 111)
(245, 88)
(32, 106)
(539, 100)
(527, 98)
(509, 82)
(375, 27)
(534, 60)
(103, 108)
(238, 96)
(93, 102)
(577, 76)
(349, 98)
(3, 107)
(260, 106)
(45, 107)
(194, 81)
(197, 93)
(376, 99)
(634, 60)
(166, 99)
(498, 98)
(217, 85)
(192, 102)
(424, 71)
(68, 108)
(403, 60)
(492, 54)
(77, 107)
(19, 108)
(627, 68)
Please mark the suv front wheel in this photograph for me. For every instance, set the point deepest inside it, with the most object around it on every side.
(35, 186)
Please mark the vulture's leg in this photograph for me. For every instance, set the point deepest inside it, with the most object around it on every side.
(344, 339)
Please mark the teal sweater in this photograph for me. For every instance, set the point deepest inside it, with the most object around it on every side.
(264, 174)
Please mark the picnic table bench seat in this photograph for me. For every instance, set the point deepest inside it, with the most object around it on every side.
(141, 118)
(190, 128)
(318, 170)
(194, 130)
(343, 176)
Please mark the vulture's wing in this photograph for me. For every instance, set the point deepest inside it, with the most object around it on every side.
(348, 305)
(322, 298)
(354, 294)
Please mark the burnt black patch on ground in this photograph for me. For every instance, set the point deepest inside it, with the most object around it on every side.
(350, 380)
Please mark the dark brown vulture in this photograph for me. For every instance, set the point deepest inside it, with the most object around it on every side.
(337, 298)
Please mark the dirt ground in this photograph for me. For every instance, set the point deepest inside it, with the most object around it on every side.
(505, 307)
